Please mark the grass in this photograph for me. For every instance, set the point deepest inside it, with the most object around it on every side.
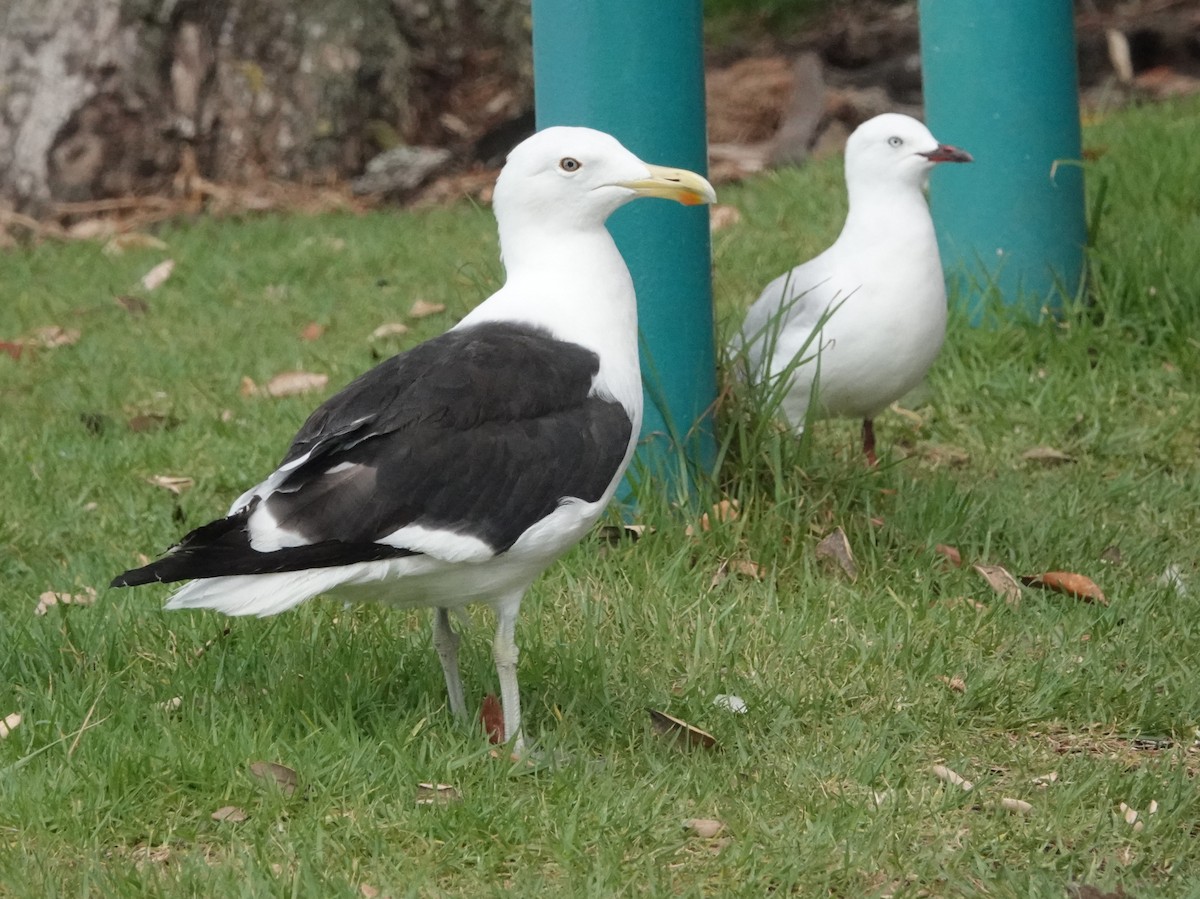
(825, 785)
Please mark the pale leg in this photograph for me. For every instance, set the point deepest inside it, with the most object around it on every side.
(445, 641)
(504, 652)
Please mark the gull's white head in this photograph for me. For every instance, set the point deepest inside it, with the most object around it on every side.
(576, 177)
(894, 149)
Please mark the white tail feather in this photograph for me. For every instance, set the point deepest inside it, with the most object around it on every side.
(255, 594)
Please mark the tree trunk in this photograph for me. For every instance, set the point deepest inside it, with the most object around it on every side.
(102, 98)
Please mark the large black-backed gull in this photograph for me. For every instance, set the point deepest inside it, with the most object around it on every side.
(858, 326)
(457, 471)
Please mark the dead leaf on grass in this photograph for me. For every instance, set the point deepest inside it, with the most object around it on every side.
(1068, 583)
(705, 828)
(132, 240)
(1044, 780)
(491, 715)
(14, 348)
(1017, 806)
(175, 483)
(158, 275)
(424, 309)
(368, 891)
(950, 554)
(835, 549)
(437, 794)
(281, 775)
(131, 304)
(937, 454)
(741, 567)
(684, 734)
(941, 772)
(1047, 455)
(52, 336)
(9, 724)
(956, 683)
(230, 813)
(312, 331)
(171, 705)
(725, 510)
(389, 329)
(288, 383)
(1000, 580)
(52, 598)
(151, 421)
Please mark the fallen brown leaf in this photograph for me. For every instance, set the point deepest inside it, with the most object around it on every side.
(52, 598)
(705, 828)
(941, 772)
(52, 336)
(1001, 581)
(685, 734)
(230, 813)
(175, 483)
(368, 891)
(741, 567)
(312, 331)
(389, 329)
(151, 421)
(155, 278)
(9, 724)
(725, 510)
(281, 775)
(1076, 585)
(423, 309)
(1018, 806)
(1047, 455)
(950, 554)
(491, 715)
(288, 383)
(835, 549)
(437, 794)
(956, 683)
(14, 348)
(131, 304)
(942, 454)
(132, 240)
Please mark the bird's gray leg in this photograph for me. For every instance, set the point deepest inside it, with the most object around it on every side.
(869, 442)
(505, 653)
(445, 641)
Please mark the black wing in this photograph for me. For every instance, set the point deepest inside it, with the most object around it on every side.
(480, 432)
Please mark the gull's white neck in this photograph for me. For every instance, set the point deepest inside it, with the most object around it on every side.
(889, 213)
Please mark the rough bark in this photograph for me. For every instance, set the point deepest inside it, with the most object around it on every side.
(101, 98)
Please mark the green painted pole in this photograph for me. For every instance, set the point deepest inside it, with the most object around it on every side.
(1001, 81)
(636, 70)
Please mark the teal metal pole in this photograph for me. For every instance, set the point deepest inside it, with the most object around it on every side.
(1001, 81)
(636, 70)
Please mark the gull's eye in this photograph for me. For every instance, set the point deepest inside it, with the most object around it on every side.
(895, 142)
(570, 164)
